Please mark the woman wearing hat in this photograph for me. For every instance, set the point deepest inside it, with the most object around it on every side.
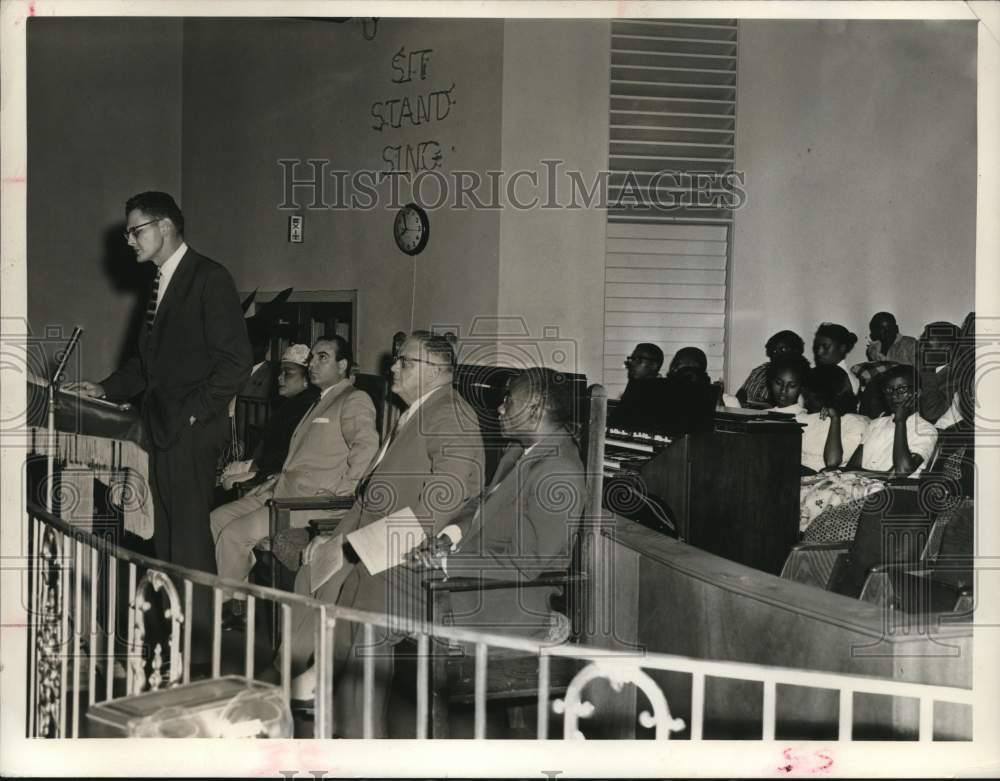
(297, 395)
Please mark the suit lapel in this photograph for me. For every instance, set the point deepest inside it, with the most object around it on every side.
(180, 281)
(322, 405)
(400, 434)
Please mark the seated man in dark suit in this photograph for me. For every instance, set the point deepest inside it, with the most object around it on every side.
(519, 527)
(297, 396)
(642, 399)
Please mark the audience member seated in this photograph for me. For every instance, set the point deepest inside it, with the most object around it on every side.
(870, 376)
(887, 344)
(786, 375)
(329, 451)
(755, 390)
(832, 431)
(946, 482)
(886, 348)
(645, 395)
(894, 445)
(692, 397)
(942, 364)
(296, 395)
(831, 344)
(432, 464)
(934, 354)
(901, 443)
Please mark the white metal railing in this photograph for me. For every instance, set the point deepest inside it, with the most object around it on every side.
(65, 567)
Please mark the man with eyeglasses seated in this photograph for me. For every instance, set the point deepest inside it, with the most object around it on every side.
(643, 398)
(431, 463)
(329, 450)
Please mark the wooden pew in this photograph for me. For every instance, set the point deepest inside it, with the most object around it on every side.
(671, 597)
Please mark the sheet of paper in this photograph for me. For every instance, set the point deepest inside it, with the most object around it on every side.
(326, 562)
(384, 543)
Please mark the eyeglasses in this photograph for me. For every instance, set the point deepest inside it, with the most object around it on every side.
(406, 360)
(899, 390)
(637, 359)
(130, 233)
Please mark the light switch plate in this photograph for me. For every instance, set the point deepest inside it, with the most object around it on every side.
(296, 228)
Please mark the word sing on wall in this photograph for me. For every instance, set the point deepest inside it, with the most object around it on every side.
(425, 107)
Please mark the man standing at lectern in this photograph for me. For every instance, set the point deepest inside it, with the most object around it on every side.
(193, 356)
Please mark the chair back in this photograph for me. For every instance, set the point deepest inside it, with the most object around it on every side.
(252, 414)
(951, 538)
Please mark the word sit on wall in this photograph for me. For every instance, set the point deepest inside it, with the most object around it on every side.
(425, 107)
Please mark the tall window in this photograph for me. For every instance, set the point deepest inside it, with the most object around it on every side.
(671, 189)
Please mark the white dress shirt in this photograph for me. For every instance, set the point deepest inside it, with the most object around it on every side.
(921, 437)
(167, 272)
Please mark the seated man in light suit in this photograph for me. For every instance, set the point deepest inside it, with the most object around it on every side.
(329, 451)
(432, 463)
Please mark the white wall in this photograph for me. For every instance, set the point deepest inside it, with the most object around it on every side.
(555, 106)
(256, 91)
(858, 140)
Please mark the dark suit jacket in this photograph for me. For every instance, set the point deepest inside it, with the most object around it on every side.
(261, 383)
(196, 358)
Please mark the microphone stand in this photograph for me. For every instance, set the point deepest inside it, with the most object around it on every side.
(57, 378)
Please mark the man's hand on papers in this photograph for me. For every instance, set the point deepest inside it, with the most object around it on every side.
(431, 554)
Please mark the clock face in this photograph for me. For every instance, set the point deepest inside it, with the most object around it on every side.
(411, 229)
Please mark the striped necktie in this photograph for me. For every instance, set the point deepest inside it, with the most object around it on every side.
(151, 307)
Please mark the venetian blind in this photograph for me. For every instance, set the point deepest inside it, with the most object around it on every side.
(672, 137)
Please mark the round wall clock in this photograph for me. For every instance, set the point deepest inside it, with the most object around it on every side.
(411, 229)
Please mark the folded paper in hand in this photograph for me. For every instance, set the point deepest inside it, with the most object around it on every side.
(326, 560)
(385, 543)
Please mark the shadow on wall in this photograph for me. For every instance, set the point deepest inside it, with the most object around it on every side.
(126, 276)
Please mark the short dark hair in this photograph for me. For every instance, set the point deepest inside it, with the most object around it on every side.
(555, 392)
(343, 348)
(654, 352)
(158, 205)
(832, 386)
(695, 354)
(792, 339)
(839, 334)
(788, 362)
(901, 370)
(882, 316)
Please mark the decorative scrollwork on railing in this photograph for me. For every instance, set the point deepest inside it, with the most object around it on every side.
(150, 583)
(573, 707)
(48, 639)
